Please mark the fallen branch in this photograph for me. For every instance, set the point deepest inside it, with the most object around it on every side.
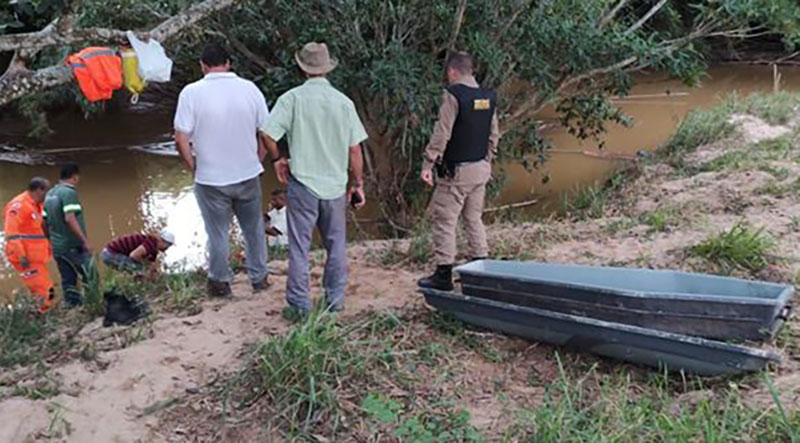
(511, 206)
(14, 85)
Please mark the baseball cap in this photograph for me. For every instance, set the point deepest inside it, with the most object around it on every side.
(167, 236)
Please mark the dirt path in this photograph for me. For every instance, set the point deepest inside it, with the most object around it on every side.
(115, 396)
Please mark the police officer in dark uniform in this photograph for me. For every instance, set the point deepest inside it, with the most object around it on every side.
(461, 150)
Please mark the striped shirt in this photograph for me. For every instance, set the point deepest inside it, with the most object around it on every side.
(128, 243)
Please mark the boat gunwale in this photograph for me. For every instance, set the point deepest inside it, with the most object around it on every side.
(782, 298)
(621, 327)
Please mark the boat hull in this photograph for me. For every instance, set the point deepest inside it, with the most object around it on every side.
(634, 344)
(684, 303)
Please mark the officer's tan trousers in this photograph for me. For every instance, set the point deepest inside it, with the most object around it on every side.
(450, 201)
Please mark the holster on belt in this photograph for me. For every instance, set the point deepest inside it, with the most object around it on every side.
(445, 169)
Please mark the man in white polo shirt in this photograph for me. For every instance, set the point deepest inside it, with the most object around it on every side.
(216, 128)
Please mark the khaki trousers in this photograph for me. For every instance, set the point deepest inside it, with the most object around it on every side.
(461, 196)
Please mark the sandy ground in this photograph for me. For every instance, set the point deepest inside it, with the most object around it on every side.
(110, 402)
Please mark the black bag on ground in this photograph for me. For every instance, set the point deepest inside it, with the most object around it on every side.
(121, 310)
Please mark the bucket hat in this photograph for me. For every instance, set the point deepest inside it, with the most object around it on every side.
(315, 59)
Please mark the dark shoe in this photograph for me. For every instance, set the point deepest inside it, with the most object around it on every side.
(441, 279)
(73, 301)
(261, 285)
(121, 310)
(478, 258)
(294, 314)
(219, 289)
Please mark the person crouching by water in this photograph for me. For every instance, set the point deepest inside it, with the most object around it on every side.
(136, 252)
(27, 247)
(462, 146)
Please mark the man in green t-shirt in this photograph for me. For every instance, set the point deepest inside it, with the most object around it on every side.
(67, 230)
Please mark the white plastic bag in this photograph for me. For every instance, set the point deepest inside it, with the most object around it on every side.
(154, 65)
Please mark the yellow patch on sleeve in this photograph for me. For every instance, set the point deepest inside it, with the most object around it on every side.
(481, 104)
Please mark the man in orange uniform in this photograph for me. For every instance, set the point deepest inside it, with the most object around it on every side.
(27, 246)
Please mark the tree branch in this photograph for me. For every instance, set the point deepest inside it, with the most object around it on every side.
(66, 35)
(462, 8)
(611, 14)
(646, 17)
(21, 82)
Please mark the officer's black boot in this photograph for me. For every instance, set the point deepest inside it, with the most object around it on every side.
(442, 279)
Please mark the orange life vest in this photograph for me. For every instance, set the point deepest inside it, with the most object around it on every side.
(24, 231)
(98, 71)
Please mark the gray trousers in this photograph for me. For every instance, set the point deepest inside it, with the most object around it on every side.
(217, 205)
(304, 211)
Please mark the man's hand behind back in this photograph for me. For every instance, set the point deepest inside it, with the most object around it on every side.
(427, 176)
(282, 170)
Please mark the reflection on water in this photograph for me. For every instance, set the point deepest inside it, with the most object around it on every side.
(125, 192)
(178, 212)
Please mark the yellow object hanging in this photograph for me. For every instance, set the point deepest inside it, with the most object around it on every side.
(130, 73)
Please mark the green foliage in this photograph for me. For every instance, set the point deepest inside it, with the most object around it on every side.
(534, 53)
(93, 301)
(618, 410)
(450, 326)
(425, 428)
(700, 127)
(28, 15)
(740, 247)
(591, 201)
(300, 372)
(28, 337)
(175, 290)
(659, 219)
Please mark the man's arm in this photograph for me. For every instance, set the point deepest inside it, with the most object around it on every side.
(262, 148)
(185, 150)
(448, 111)
(357, 174)
(139, 254)
(280, 164)
(72, 222)
(15, 247)
(494, 138)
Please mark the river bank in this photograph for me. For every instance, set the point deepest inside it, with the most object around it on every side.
(721, 196)
(127, 190)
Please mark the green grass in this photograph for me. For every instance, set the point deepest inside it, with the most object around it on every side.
(173, 290)
(300, 374)
(659, 219)
(27, 337)
(741, 247)
(613, 408)
(700, 127)
(93, 301)
(755, 157)
(776, 109)
(592, 201)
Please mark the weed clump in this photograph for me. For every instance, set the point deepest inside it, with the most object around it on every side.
(700, 127)
(741, 247)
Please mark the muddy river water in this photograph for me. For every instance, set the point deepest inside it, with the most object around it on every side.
(125, 191)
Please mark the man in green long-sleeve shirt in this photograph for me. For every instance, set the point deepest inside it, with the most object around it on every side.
(67, 230)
